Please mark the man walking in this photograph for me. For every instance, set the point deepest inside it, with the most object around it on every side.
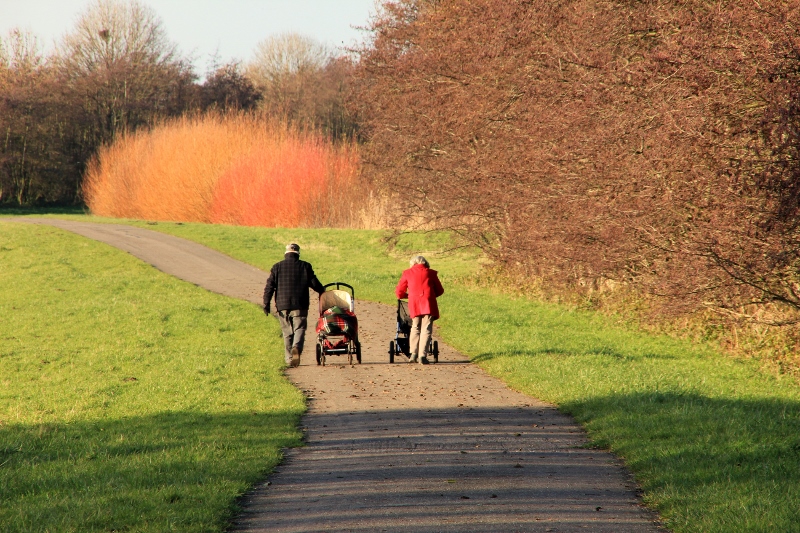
(289, 281)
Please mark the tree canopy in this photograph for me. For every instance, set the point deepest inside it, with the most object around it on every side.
(650, 143)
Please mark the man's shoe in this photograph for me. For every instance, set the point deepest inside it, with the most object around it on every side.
(423, 360)
(412, 359)
(295, 357)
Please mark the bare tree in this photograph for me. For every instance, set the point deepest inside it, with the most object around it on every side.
(286, 55)
(302, 81)
(32, 169)
(119, 62)
(20, 51)
(110, 31)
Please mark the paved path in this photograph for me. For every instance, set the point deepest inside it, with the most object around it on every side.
(436, 448)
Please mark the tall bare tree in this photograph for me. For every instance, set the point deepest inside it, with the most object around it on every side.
(20, 50)
(283, 56)
(119, 62)
(302, 80)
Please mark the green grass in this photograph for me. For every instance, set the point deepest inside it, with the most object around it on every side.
(357, 257)
(129, 401)
(714, 441)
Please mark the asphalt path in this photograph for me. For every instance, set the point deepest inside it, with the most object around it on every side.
(405, 447)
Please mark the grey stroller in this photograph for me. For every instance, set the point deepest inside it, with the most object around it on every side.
(400, 344)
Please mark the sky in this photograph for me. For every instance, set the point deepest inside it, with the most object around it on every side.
(229, 29)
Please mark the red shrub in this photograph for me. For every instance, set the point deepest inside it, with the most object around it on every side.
(235, 169)
(296, 182)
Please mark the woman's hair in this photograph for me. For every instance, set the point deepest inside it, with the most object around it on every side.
(418, 260)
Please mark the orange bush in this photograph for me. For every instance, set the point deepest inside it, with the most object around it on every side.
(235, 169)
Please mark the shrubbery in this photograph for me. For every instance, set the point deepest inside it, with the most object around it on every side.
(229, 169)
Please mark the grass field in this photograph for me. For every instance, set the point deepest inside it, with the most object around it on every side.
(714, 441)
(129, 401)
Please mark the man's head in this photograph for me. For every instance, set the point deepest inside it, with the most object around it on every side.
(293, 248)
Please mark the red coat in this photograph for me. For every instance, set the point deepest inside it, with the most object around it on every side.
(421, 286)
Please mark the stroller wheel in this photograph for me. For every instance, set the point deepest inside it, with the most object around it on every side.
(358, 352)
(391, 352)
(435, 351)
(320, 357)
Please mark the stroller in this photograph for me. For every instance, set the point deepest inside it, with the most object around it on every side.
(400, 344)
(337, 327)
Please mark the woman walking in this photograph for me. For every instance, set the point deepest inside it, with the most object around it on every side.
(421, 285)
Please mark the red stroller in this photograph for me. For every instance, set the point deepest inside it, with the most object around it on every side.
(337, 327)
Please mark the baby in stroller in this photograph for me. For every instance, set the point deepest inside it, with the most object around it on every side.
(337, 327)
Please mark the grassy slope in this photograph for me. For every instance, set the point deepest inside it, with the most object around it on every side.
(129, 401)
(714, 442)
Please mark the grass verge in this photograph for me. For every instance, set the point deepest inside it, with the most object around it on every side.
(357, 257)
(714, 441)
(129, 401)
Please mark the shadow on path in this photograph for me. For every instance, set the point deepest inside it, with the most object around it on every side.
(454, 469)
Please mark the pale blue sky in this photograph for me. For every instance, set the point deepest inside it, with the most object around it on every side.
(232, 28)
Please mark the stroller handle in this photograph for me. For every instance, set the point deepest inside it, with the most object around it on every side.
(343, 284)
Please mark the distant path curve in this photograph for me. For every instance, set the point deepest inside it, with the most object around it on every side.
(408, 448)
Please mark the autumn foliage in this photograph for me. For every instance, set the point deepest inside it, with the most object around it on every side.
(231, 169)
(117, 71)
(653, 144)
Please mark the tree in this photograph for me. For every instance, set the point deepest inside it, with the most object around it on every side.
(32, 169)
(302, 81)
(652, 143)
(121, 67)
(279, 58)
(115, 71)
(228, 89)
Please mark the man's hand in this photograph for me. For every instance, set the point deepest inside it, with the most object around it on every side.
(266, 310)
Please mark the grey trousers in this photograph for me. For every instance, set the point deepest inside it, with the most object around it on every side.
(421, 330)
(293, 326)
